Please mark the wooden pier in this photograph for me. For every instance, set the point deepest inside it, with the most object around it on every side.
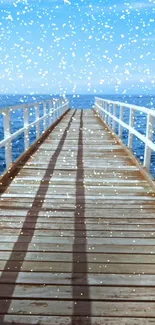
(77, 231)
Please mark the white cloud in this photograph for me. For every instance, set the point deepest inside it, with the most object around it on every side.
(142, 5)
(7, 2)
(67, 1)
(134, 5)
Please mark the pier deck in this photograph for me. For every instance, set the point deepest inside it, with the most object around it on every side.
(77, 232)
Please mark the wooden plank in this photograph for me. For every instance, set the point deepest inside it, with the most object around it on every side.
(79, 240)
(60, 189)
(91, 257)
(100, 215)
(79, 233)
(64, 216)
(63, 292)
(60, 308)
(78, 279)
(28, 197)
(68, 181)
(69, 203)
(46, 223)
(97, 248)
(57, 320)
(102, 268)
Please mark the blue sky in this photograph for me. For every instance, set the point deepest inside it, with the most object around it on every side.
(80, 46)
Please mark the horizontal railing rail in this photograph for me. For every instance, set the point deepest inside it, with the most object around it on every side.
(47, 112)
(112, 112)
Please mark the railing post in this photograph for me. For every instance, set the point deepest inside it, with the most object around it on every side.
(58, 105)
(37, 119)
(44, 114)
(97, 109)
(107, 119)
(64, 104)
(110, 111)
(103, 113)
(26, 129)
(61, 105)
(106, 109)
(49, 122)
(131, 124)
(51, 113)
(100, 112)
(149, 135)
(56, 113)
(114, 122)
(7, 133)
(54, 108)
(120, 130)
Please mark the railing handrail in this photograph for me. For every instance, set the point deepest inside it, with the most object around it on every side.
(135, 107)
(28, 105)
(56, 109)
(108, 109)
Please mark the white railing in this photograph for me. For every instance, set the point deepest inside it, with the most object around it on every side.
(46, 111)
(107, 110)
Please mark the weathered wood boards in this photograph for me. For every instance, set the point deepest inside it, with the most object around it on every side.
(77, 233)
(64, 320)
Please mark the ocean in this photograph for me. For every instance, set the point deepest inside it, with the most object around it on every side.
(76, 102)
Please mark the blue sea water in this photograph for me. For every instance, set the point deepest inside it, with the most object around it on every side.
(78, 102)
